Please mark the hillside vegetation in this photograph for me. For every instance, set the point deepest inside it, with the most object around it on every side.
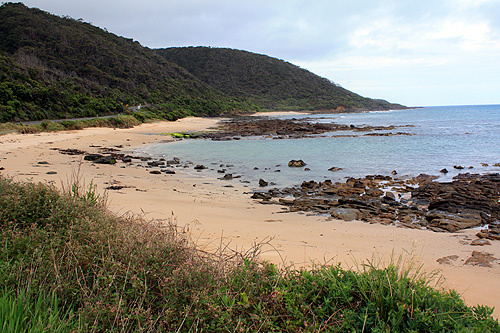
(268, 82)
(67, 264)
(55, 67)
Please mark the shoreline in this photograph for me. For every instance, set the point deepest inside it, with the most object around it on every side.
(215, 214)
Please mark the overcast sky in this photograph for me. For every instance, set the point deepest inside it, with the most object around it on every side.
(414, 52)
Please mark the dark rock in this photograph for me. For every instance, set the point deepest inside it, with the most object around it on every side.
(174, 161)
(168, 171)
(261, 195)
(155, 172)
(127, 160)
(200, 167)
(156, 163)
(443, 171)
(394, 172)
(106, 160)
(333, 169)
(263, 183)
(70, 151)
(92, 157)
(458, 167)
(227, 176)
(43, 162)
(51, 173)
(296, 163)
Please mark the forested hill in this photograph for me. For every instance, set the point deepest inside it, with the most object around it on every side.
(268, 82)
(57, 67)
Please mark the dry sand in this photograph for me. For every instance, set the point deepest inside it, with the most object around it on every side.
(213, 213)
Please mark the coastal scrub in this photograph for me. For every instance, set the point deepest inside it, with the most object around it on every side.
(108, 273)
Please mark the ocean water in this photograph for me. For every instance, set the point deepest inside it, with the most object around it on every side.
(441, 137)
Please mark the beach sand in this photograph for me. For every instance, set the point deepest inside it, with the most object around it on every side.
(215, 214)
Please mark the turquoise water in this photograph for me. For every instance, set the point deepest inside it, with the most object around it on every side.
(443, 137)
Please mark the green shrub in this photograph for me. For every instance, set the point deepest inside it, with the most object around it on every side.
(127, 274)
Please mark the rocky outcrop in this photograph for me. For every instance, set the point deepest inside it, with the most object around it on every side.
(468, 201)
(244, 126)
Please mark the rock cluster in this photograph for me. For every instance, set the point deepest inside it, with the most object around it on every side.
(468, 201)
(245, 126)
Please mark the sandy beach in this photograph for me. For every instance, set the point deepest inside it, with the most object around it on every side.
(214, 213)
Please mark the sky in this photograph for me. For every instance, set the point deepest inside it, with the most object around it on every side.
(413, 52)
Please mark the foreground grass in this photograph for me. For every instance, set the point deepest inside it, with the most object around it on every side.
(99, 272)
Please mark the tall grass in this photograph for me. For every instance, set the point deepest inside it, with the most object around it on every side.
(33, 312)
(112, 273)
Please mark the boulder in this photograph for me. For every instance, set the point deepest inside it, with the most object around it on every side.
(453, 222)
(92, 157)
(296, 163)
(200, 167)
(261, 195)
(156, 163)
(346, 214)
(105, 160)
(333, 169)
(173, 161)
(263, 183)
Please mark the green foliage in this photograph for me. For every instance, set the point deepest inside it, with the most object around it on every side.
(29, 313)
(179, 135)
(56, 67)
(267, 82)
(125, 274)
